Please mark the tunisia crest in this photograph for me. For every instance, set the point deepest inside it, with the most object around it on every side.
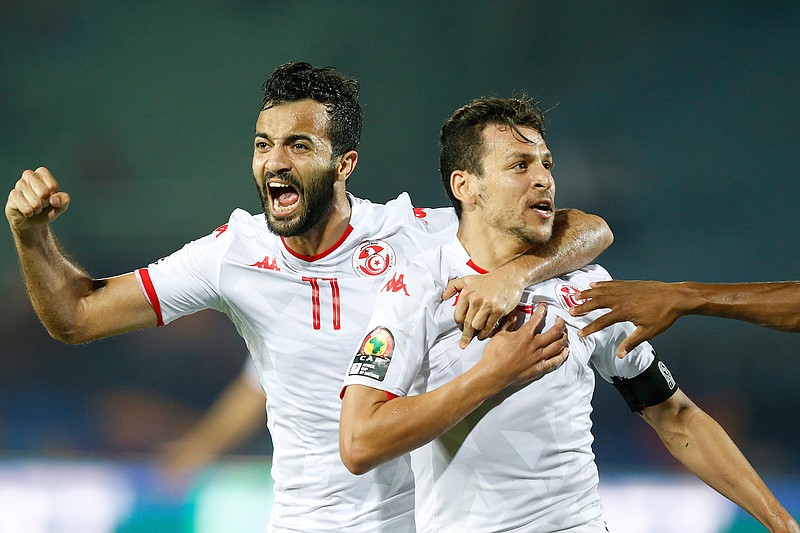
(373, 258)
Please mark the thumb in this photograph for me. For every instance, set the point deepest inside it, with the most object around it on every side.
(59, 200)
(630, 343)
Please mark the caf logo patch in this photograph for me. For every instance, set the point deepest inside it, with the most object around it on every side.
(374, 355)
(566, 295)
(373, 258)
(379, 343)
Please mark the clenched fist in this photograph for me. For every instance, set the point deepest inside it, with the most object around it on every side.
(35, 200)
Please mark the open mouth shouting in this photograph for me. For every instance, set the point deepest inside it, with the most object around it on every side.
(284, 199)
(543, 207)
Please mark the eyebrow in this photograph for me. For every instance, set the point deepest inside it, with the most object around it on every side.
(527, 155)
(290, 139)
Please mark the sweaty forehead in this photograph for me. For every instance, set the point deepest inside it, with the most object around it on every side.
(501, 139)
(304, 117)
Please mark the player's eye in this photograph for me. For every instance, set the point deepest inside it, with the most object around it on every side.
(522, 165)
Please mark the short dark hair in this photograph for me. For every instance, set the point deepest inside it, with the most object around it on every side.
(295, 81)
(461, 139)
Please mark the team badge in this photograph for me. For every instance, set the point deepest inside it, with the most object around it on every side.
(567, 295)
(373, 258)
(374, 355)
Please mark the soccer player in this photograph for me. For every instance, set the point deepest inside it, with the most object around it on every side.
(493, 449)
(653, 306)
(298, 281)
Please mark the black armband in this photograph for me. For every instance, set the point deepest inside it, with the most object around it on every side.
(651, 387)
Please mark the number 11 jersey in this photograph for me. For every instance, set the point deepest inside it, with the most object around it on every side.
(301, 318)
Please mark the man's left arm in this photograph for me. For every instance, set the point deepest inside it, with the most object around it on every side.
(578, 238)
(702, 446)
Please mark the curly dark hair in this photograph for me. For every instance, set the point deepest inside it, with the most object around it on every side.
(291, 82)
(461, 139)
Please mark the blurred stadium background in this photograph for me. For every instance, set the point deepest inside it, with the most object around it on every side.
(676, 121)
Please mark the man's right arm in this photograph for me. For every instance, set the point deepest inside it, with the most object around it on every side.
(72, 305)
(374, 429)
(653, 306)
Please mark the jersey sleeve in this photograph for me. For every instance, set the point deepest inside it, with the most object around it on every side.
(640, 377)
(394, 346)
(187, 280)
(429, 220)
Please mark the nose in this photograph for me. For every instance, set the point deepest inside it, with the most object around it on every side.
(542, 178)
(278, 160)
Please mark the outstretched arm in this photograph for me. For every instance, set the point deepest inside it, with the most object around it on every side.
(697, 441)
(653, 306)
(72, 305)
(578, 238)
(374, 429)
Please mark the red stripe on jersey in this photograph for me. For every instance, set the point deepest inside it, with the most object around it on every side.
(150, 293)
(389, 395)
(476, 268)
(336, 302)
(310, 258)
(315, 313)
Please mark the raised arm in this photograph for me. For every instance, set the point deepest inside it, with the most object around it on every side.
(72, 305)
(374, 429)
(653, 306)
(702, 446)
(578, 238)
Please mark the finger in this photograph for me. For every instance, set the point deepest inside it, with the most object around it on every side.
(631, 342)
(467, 331)
(18, 204)
(454, 286)
(556, 361)
(30, 202)
(586, 306)
(556, 346)
(600, 322)
(536, 322)
(491, 323)
(460, 311)
(507, 324)
(47, 179)
(551, 335)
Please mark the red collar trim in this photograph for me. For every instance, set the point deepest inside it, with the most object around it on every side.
(476, 268)
(320, 255)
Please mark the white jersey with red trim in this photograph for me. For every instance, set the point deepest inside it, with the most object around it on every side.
(523, 461)
(301, 318)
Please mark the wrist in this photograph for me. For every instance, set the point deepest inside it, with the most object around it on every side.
(689, 298)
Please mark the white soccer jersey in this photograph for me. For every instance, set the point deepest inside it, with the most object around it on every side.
(301, 317)
(523, 461)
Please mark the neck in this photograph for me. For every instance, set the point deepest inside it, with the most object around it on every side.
(326, 232)
(487, 247)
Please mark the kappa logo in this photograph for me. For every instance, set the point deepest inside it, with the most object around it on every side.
(566, 294)
(396, 284)
(220, 230)
(373, 258)
(268, 263)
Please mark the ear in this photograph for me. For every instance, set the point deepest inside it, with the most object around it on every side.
(464, 186)
(347, 164)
